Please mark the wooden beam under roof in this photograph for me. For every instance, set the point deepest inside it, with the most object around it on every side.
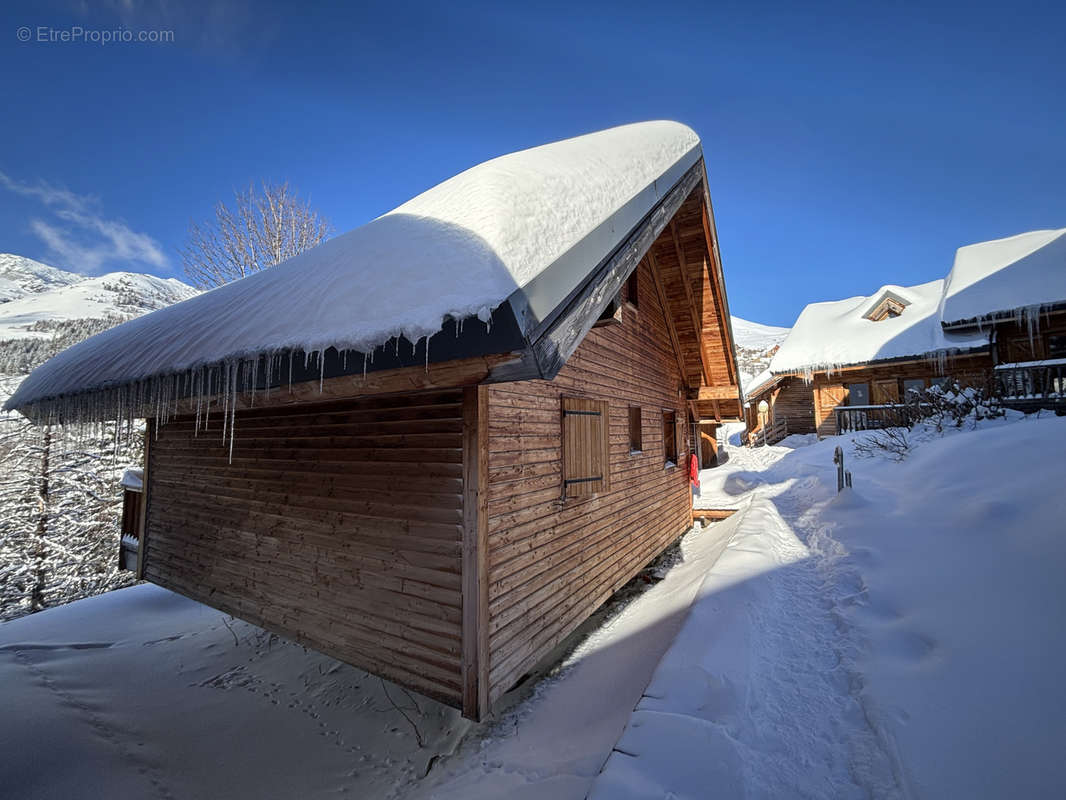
(697, 323)
(665, 303)
(718, 282)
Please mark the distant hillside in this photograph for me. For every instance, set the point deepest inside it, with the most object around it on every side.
(756, 344)
(21, 276)
(34, 297)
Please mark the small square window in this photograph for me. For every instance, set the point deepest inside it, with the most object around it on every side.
(632, 284)
(636, 438)
(858, 394)
(670, 437)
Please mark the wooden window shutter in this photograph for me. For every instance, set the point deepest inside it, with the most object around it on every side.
(586, 447)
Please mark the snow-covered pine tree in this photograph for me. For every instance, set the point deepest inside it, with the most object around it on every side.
(60, 499)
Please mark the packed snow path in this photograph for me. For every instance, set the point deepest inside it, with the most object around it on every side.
(896, 640)
(757, 697)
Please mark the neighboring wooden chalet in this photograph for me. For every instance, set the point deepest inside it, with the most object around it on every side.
(1014, 290)
(789, 408)
(848, 362)
(997, 322)
(445, 513)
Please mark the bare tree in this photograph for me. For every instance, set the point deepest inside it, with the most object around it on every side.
(264, 228)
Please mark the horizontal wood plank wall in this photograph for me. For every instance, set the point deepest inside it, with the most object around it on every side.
(794, 401)
(552, 562)
(338, 526)
(831, 391)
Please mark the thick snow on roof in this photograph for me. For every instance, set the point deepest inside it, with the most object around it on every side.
(459, 249)
(836, 334)
(758, 383)
(1006, 275)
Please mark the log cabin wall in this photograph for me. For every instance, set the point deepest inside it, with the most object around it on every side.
(793, 400)
(832, 391)
(552, 562)
(336, 525)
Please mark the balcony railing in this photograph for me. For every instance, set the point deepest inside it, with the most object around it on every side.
(1030, 381)
(871, 418)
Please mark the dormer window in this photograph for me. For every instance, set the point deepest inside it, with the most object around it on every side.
(887, 306)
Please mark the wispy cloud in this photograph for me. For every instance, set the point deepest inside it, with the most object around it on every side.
(79, 236)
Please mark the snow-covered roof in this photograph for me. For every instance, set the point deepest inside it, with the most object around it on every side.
(1006, 276)
(527, 228)
(836, 334)
(758, 383)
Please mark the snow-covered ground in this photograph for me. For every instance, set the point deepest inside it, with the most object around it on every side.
(901, 639)
(143, 693)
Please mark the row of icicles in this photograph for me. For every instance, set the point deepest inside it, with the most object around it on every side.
(214, 390)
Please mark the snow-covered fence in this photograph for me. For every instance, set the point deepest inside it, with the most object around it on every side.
(876, 417)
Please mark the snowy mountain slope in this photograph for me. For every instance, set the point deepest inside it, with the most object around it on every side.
(756, 336)
(22, 277)
(755, 345)
(66, 296)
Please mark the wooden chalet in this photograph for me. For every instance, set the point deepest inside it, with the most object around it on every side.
(789, 408)
(1014, 291)
(998, 322)
(445, 513)
(849, 364)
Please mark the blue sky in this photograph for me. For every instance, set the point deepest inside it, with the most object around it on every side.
(848, 145)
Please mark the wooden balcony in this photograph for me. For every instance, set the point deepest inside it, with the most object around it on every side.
(871, 418)
(1031, 385)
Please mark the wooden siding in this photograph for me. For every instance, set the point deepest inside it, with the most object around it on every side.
(685, 282)
(1015, 342)
(832, 391)
(553, 561)
(338, 526)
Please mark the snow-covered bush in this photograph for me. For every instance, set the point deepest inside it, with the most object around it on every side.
(945, 405)
(955, 405)
(893, 443)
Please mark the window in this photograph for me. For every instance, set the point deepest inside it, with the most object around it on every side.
(913, 387)
(636, 443)
(611, 314)
(670, 437)
(858, 394)
(1056, 346)
(632, 296)
(586, 453)
(887, 305)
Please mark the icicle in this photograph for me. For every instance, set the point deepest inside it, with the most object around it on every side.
(233, 417)
(225, 402)
(321, 369)
(427, 353)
